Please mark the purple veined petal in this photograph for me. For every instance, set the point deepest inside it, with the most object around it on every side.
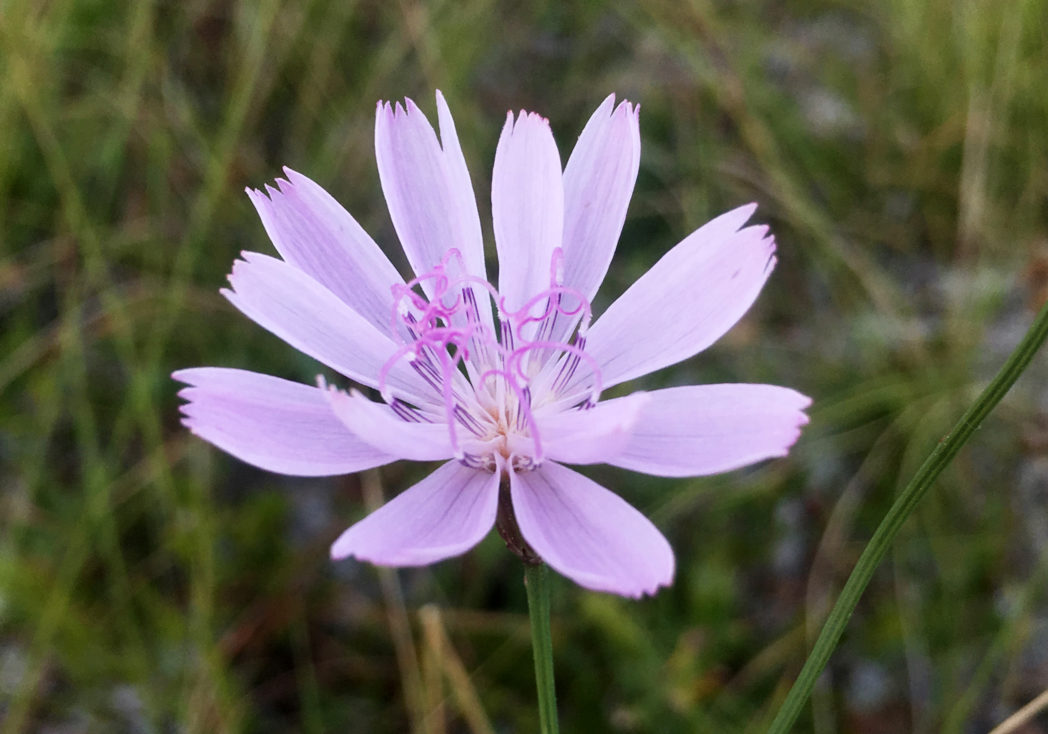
(527, 206)
(315, 234)
(287, 302)
(472, 245)
(274, 424)
(591, 436)
(598, 183)
(427, 187)
(706, 429)
(588, 533)
(685, 302)
(377, 425)
(445, 514)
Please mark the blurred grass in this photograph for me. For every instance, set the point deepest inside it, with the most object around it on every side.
(149, 583)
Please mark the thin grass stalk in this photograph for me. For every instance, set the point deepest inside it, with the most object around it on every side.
(900, 510)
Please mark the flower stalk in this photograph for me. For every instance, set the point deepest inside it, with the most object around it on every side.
(536, 579)
(900, 510)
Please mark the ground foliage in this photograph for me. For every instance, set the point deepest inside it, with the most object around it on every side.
(149, 583)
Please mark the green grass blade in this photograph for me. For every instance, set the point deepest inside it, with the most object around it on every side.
(900, 510)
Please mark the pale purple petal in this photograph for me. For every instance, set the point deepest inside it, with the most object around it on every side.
(271, 423)
(685, 302)
(471, 242)
(527, 207)
(589, 534)
(598, 183)
(445, 514)
(427, 187)
(590, 436)
(706, 429)
(377, 425)
(315, 234)
(309, 317)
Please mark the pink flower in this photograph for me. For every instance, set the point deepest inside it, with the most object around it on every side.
(495, 382)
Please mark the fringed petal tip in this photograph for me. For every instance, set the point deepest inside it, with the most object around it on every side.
(624, 107)
(516, 122)
(800, 419)
(743, 213)
(277, 186)
(395, 110)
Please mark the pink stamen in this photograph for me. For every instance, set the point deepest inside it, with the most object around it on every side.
(552, 305)
(576, 354)
(443, 335)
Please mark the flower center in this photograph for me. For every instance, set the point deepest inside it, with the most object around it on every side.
(490, 373)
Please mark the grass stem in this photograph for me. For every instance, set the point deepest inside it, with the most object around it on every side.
(900, 510)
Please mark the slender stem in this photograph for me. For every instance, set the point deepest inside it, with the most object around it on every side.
(536, 579)
(898, 513)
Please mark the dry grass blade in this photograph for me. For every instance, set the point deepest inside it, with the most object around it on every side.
(462, 689)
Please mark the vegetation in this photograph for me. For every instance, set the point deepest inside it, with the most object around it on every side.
(150, 583)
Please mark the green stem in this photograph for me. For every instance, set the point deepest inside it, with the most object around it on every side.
(536, 579)
(898, 513)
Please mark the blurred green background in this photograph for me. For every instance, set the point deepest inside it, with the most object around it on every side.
(150, 583)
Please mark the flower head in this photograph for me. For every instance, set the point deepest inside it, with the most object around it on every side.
(497, 382)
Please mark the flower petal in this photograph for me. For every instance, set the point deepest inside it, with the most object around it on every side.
(705, 429)
(589, 534)
(271, 423)
(527, 207)
(315, 234)
(445, 514)
(377, 425)
(590, 436)
(427, 187)
(685, 302)
(309, 317)
(598, 183)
